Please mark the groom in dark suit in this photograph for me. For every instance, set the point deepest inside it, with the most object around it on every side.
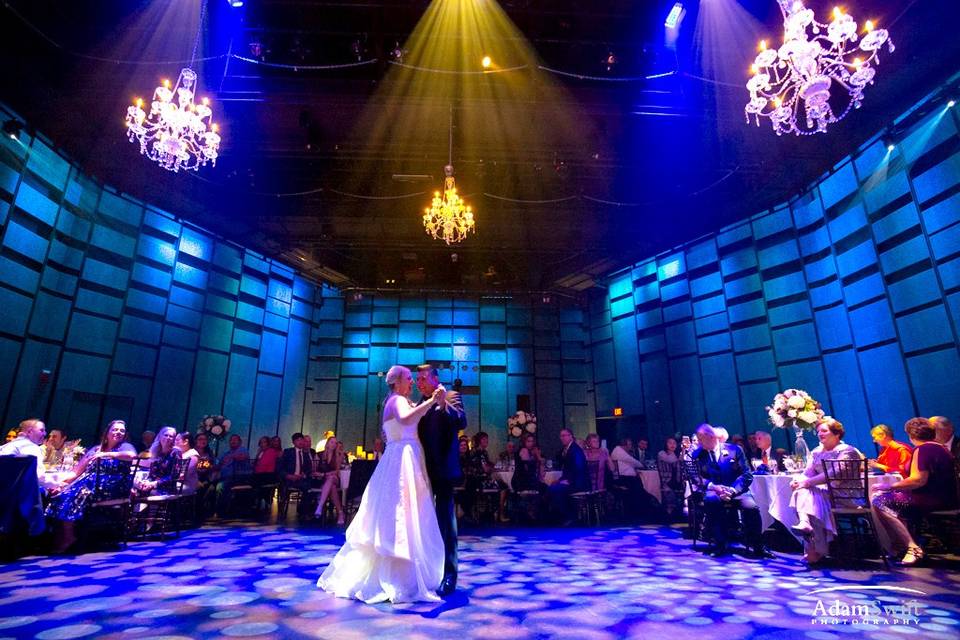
(439, 430)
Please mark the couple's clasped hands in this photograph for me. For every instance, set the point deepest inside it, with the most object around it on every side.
(439, 395)
(723, 492)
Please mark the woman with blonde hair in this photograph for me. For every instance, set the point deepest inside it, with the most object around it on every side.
(393, 550)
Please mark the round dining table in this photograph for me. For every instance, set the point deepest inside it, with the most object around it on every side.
(772, 494)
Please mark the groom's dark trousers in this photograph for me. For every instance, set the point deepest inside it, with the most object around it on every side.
(438, 431)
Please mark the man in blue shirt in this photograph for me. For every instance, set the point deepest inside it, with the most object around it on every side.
(235, 462)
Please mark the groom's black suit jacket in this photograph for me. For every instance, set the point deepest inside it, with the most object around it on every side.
(438, 431)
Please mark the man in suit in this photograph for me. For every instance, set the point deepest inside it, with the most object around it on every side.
(295, 468)
(765, 453)
(727, 479)
(439, 430)
(574, 478)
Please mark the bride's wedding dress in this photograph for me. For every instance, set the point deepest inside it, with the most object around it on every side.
(393, 549)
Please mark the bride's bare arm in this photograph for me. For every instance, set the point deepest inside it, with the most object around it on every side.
(406, 413)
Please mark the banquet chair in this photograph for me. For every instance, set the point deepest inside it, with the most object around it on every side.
(696, 486)
(847, 487)
(589, 504)
(288, 493)
(941, 529)
(696, 516)
(108, 513)
(670, 475)
(158, 514)
(242, 487)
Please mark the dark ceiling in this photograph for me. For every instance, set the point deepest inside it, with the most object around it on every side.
(569, 175)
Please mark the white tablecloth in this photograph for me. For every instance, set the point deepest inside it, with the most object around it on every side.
(506, 477)
(772, 495)
(650, 479)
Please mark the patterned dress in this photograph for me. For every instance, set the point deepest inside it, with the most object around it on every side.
(70, 504)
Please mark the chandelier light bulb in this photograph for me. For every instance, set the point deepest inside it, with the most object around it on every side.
(818, 68)
(486, 62)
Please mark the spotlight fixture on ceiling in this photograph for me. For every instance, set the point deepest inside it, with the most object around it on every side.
(448, 217)
(675, 16)
(951, 104)
(236, 4)
(12, 129)
(792, 85)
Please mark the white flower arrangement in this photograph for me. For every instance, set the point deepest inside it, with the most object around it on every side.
(794, 408)
(520, 422)
(214, 426)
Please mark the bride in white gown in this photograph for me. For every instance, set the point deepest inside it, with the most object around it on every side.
(393, 549)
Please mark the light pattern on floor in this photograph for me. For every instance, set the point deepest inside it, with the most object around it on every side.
(251, 581)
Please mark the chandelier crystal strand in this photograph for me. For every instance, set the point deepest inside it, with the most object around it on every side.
(178, 133)
(448, 217)
(792, 85)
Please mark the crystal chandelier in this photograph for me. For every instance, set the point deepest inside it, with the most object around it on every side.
(791, 85)
(177, 133)
(448, 217)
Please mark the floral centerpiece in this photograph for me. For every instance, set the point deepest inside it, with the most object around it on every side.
(215, 427)
(796, 409)
(520, 422)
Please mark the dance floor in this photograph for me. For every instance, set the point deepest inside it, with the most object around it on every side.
(241, 580)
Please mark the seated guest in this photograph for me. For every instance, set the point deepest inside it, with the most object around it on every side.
(722, 436)
(322, 443)
(944, 430)
(277, 443)
(930, 486)
(30, 434)
(54, 448)
(191, 480)
(751, 448)
(810, 497)
(505, 459)
(68, 505)
(625, 476)
(165, 465)
(599, 455)
(234, 463)
(147, 438)
(894, 457)
(528, 466)
(671, 487)
(726, 475)
(377, 448)
(574, 478)
(625, 464)
(765, 453)
(206, 468)
(738, 440)
(327, 474)
(642, 446)
(296, 465)
(267, 458)
(477, 472)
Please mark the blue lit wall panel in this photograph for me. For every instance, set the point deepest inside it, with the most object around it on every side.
(208, 386)
(266, 407)
(851, 291)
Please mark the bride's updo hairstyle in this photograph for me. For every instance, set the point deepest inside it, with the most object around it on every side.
(394, 375)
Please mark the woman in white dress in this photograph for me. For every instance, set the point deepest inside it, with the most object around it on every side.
(810, 496)
(393, 550)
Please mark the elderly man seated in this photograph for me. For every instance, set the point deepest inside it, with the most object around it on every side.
(766, 454)
(30, 434)
(727, 479)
